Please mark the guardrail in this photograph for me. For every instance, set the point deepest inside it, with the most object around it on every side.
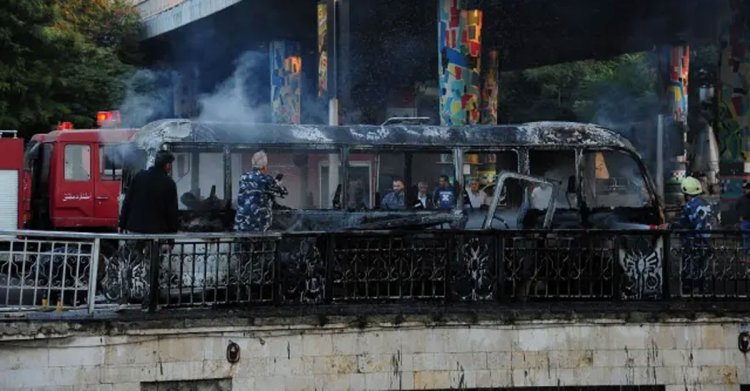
(54, 270)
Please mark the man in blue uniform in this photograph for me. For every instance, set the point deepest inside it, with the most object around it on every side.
(255, 198)
(697, 215)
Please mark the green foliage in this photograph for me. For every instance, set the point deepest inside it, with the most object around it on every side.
(63, 60)
(614, 91)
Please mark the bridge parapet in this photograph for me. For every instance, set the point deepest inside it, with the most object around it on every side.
(44, 269)
(162, 16)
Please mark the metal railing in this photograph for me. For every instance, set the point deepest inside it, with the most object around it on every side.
(54, 270)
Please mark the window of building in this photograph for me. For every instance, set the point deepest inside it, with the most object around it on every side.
(111, 162)
(189, 385)
(77, 162)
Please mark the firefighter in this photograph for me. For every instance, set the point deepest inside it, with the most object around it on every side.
(696, 216)
(150, 205)
(255, 197)
(743, 208)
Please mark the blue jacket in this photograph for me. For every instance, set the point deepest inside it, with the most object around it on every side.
(394, 201)
(696, 215)
(254, 202)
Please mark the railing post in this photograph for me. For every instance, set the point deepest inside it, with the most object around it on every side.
(619, 269)
(328, 261)
(277, 288)
(666, 265)
(93, 273)
(450, 261)
(500, 267)
(153, 295)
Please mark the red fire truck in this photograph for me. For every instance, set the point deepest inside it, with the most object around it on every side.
(67, 179)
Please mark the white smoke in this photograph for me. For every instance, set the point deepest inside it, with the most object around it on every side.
(148, 96)
(230, 101)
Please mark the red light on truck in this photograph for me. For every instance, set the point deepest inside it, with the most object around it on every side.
(108, 119)
(65, 126)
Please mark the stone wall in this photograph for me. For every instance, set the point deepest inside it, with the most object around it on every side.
(682, 355)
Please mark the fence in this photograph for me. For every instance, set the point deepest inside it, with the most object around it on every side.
(52, 270)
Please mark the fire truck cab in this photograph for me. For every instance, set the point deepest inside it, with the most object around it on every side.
(72, 179)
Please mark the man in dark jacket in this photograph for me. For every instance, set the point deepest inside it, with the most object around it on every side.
(150, 205)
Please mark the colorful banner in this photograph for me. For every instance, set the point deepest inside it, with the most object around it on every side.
(460, 43)
(322, 48)
(734, 85)
(490, 88)
(286, 91)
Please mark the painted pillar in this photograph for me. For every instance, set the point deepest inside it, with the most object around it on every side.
(490, 87)
(322, 49)
(678, 60)
(286, 74)
(734, 85)
(460, 47)
(673, 67)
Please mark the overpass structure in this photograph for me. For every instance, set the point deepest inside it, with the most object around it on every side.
(367, 60)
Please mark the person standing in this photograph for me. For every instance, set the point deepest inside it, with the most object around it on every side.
(743, 208)
(150, 205)
(255, 198)
(445, 195)
(477, 197)
(396, 199)
(696, 216)
(424, 201)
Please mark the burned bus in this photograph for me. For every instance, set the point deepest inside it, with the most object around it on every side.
(535, 175)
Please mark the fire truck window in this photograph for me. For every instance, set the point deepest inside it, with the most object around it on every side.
(77, 162)
(110, 163)
(310, 177)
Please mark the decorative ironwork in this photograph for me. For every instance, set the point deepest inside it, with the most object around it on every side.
(389, 267)
(126, 279)
(44, 273)
(474, 276)
(302, 271)
(641, 262)
(557, 266)
(373, 266)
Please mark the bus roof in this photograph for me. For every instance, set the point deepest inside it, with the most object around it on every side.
(117, 135)
(552, 134)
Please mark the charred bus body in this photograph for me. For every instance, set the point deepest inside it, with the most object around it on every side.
(586, 176)
(539, 175)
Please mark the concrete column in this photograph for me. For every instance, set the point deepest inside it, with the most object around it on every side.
(734, 84)
(322, 49)
(674, 64)
(490, 87)
(286, 75)
(460, 47)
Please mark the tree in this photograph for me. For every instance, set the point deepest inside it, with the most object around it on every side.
(63, 60)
